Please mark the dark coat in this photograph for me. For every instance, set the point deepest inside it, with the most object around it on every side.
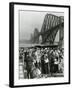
(29, 62)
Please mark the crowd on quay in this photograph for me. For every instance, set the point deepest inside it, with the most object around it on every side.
(42, 60)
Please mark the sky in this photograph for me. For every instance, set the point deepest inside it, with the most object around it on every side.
(29, 20)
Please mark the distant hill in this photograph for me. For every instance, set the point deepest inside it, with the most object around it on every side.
(25, 41)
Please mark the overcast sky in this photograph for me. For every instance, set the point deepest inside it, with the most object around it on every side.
(29, 20)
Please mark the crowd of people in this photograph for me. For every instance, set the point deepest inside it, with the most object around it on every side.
(42, 61)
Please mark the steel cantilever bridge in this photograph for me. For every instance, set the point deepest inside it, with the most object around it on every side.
(51, 25)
